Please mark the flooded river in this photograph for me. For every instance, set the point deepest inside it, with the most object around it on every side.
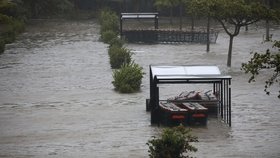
(57, 100)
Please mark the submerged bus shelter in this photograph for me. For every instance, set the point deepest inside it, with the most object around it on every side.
(138, 16)
(135, 34)
(190, 74)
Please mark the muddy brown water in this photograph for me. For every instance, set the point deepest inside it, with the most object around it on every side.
(57, 100)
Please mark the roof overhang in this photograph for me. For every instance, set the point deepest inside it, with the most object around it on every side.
(187, 74)
(139, 15)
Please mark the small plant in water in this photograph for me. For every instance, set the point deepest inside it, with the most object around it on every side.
(107, 36)
(119, 56)
(128, 78)
(172, 143)
(109, 21)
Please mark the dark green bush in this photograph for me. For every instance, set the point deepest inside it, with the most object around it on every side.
(109, 21)
(2, 46)
(116, 42)
(8, 8)
(128, 78)
(107, 36)
(119, 56)
(10, 28)
(172, 143)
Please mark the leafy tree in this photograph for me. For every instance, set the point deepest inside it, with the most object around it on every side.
(232, 15)
(265, 61)
(172, 143)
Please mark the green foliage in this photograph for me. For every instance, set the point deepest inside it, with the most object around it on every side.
(128, 78)
(160, 4)
(11, 23)
(119, 56)
(8, 8)
(108, 35)
(109, 21)
(10, 28)
(172, 143)
(116, 42)
(265, 61)
(237, 13)
(2, 46)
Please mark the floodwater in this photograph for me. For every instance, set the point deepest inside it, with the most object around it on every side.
(57, 100)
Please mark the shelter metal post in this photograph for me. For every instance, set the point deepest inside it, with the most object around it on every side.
(229, 102)
(156, 22)
(121, 28)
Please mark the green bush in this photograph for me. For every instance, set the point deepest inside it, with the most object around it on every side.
(173, 143)
(8, 8)
(119, 56)
(107, 36)
(10, 28)
(116, 42)
(128, 78)
(109, 21)
(2, 46)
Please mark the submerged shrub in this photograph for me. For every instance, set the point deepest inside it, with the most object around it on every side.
(107, 36)
(116, 42)
(2, 46)
(172, 143)
(119, 56)
(9, 28)
(109, 21)
(128, 78)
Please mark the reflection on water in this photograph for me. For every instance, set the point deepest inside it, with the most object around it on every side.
(57, 100)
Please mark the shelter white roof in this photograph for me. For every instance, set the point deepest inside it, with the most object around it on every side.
(177, 72)
(185, 70)
(139, 15)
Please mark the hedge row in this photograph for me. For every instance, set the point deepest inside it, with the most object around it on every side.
(127, 75)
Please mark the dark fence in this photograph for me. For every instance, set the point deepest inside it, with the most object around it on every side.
(168, 36)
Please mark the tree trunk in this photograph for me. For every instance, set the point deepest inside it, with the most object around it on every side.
(208, 34)
(230, 51)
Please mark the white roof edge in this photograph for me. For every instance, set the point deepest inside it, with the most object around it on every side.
(185, 70)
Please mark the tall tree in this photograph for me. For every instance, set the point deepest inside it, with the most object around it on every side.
(232, 15)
